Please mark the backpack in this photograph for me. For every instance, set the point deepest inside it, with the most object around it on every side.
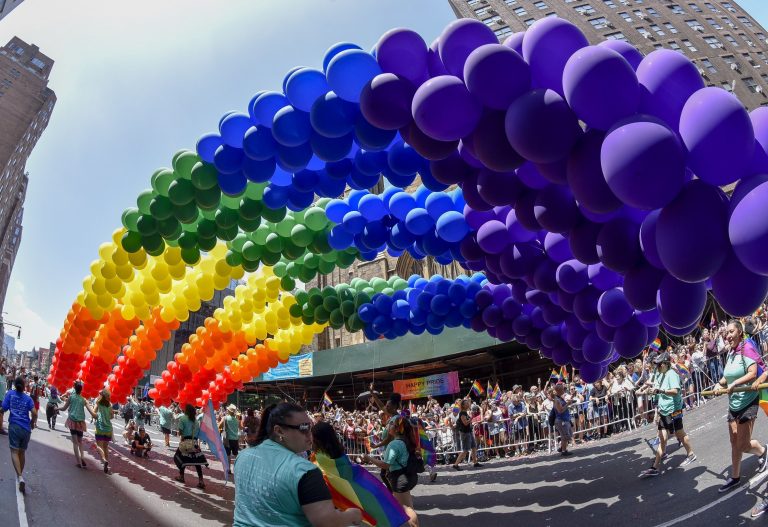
(128, 412)
(415, 464)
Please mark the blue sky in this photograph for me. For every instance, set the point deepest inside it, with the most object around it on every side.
(136, 81)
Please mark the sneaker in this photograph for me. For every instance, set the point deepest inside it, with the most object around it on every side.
(649, 473)
(457, 467)
(761, 461)
(731, 483)
(477, 465)
(687, 461)
(22, 485)
(760, 508)
(565, 453)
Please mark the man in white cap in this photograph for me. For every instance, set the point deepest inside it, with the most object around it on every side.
(231, 425)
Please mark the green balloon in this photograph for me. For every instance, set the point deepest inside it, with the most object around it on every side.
(227, 234)
(311, 260)
(330, 303)
(306, 274)
(328, 291)
(315, 218)
(250, 266)
(307, 320)
(270, 258)
(336, 319)
(250, 209)
(345, 259)
(274, 216)
(169, 229)
(273, 243)
(321, 315)
(324, 267)
(204, 176)
(284, 227)
(248, 225)
(146, 225)
(206, 229)
(144, 199)
(255, 190)
(400, 284)
(230, 202)
(287, 283)
(161, 181)
(181, 192)
(279, 269)
(153, 244)
(251, 251)
(370, 291)
(302, 297)
(293, 270)
(208, 199)
(347, 308)
(295, 310)
(233, 258)
(291, 251)
(238, 242)
(183, 163)
(205, 243)
(329, 257)
(161, 208)
(354, 323)
(315, 300)
(362, 298)
(308, 310)
(322, 202)
(226, 218)
(188, 240)
(131, 241)
(388, 291)
(186, 213)
(129, 218)
(190, 255)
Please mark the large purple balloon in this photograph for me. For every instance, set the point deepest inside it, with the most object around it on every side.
(386, 101)
(648, 239)
(626, 50)
(582, 240)
(748, 230)
(585, 304)
(603, 278)
(496, 75)
(524, 209)
(640, 286)
(444, 109)
(489, 141)
(404, 53)
(520, 259)
(629, 339)
(585, 175)
(618, 245)
(459, 39)
(541, 127)
(547, 46)
(451, 170)
(649, 318)
(668, 79)
(595, 349)
(555, 209)
(517, 231)
(429, 148)
(561, 355)
(530, 176)
(719, 136)
(556, 246)
(492, 237)
(737, 289)
(498, 188)
(691, 232)
(643, 163)
(572, 276)
(680, 304)
(591, 372)
(600, 86)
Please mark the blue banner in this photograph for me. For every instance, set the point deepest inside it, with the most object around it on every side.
(297, 366)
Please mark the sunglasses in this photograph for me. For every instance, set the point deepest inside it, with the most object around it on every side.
(303, 427)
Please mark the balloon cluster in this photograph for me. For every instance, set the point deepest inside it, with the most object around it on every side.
(71, 346)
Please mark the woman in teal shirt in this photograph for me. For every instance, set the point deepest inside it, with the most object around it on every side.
(275, 486)
(189, 452)
(103, 414)
(76, 405)
(741, 368)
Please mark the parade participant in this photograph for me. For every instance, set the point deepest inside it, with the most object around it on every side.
(274, 485)
(741, 368)
(562, 418)
(251, 426)
(128, 432)
(21, 422)
(231, 427)
(188, 452)
(76, 405)
(142, 443)
(3, 390)
(402, 479)
(466, 438)
(36, 389)
(165, 416)
(52, 408)
(102, 413)
(669, 413)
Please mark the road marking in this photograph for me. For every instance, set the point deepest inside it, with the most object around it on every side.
(697, 511)
(21, 506)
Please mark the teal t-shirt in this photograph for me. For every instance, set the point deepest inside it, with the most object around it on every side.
(396, 455)
(231, 427)
(166, 416)
(736, 366)
(187, 427)
(103, 419)
(266, 487)
(670, 380)
(76, 407)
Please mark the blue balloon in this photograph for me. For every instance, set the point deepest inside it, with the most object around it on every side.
(401, 204)
(440, 305)
(349, 71)
(275, 197)
(339, 239)
(228, 159)
(293, 159)
(374, 235)
(370, 137)
(452, 227)
(339, 169)
(332, 116)
(438, 203)
(367, 313)
(403, 159)
(372, 207)
(291, 127)
(336, 209)
(331, 149)
(258, 143)
(207, 145)
(232, 184)
(329, 187)
(383, 304)
(400, 237)
(305, 180)
(370, 163)
(419, 222)
(258, 94)
(281, 178)
(258, 171)
(335, 50)
(233, 128)
(360, 181)
(304, 86)
(266, 106)
(401, 309)
(354, 222)
(298, 200)
(288, 76)
(399, 180)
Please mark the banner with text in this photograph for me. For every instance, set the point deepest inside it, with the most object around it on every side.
(441, 384)
(297, 366)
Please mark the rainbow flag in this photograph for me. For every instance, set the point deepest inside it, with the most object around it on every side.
(496, 392)
(656, 344)
(712, 320)
(327, 400)
(764, 401)
(554, 376)
(683, 370)
(352, 486)
(477, 388)
(427, 448)
(489, 389)
(564, 373)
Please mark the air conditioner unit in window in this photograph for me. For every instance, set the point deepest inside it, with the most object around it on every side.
(735, 67)
(610, 25)
(703, 73)
(585, 13)
(731, 24)
(699, 29)
(759, 89)
(733, 85)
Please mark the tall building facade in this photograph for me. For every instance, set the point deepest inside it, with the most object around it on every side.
(727, 45)
(26, 104)
(6, 6)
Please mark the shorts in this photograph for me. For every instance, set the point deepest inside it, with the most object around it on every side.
(601, 411)
(18, 437)
(671, 424)
(400, 481)
(232, 446)
(466, 441)
(564, 429)
(103, 436)
(37, 404)
(746, 414)
(165, 430)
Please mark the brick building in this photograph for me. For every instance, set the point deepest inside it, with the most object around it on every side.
(26, 104)
(727, 45)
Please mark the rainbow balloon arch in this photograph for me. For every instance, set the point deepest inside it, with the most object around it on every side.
(578, 185)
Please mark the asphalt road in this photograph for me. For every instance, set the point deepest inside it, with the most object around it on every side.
(597, 486)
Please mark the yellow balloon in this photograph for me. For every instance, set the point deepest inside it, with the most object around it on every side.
(138, 259)
(108, 270)
(99, 286)
(168, 314)
(172, 255)
(127, 312)
(237, 273)
(143, 312)
(117, 236)
(125, 272)
(182, 316)
(105, 250)
(113, 285)
(120, 256)
(177, 272)
(96, 267)
(220, 282)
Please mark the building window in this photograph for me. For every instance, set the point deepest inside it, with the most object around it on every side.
(626, 17)
(729, 38)
(687, 43)
(503, 32)
(540, 5)
(674, 45)
(493, 20)
(38, 63)
(764, 77)
(672, 29)
(708, 66)
(656, 29)
(750, 83)
(695, 25)
(645, 33)
(750, 60)
(520, 11)
(584, 9)
(729, 7)
(481, 12)
(713, 42)
(472, 3)
(610, 4)
(728, 21)
(762, 56)
(747, 40)
(652, 12)
(728, 59)
(676, 9)
(15, 73)
(618, 35)
(760, 36)
(712, 22)
(695, 8)
(599, 23)
(529, 22)
(712, 8)
(510, 2)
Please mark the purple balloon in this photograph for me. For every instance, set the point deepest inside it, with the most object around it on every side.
(591, 372)
(585, 175)
(561, 355)
(719, 136)
(643, 163)
(630, 339)
(529, 175)
(404, 53)
(595, 349)
(626, 50)
(744, 187)
(582, 240)
(648, 239)
(524, 210)
(555, 209)
(585, 304)
(476, 218)
(517, 231)
(737, 289)
(556, 247)
(691, 232)
(492, 237)
(451, 170)
(459, 39)
(471, 195)
(386, 101)
(444, 109)
(496, 75)
(550, 336)
(498, 188)
(618, 245)
(748, 230)
(604, 331)
(515, 41)
(544, 276)
(640, 286)
(427, 147)
(649, 318)
(520, 259)
(541, 127)
(490, 145)
(680, 332)
(572, 276)
(680, 304)
(600, 86)
(603, 278)
(547, 46)
(522, 326)
(668, 79)
(556, 172)
(613, 307)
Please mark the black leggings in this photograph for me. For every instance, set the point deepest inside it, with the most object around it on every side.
(180, 465)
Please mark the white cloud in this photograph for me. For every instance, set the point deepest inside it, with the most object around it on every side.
(35, 331)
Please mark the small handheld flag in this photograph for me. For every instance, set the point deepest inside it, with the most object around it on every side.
(327, 400)
(209, 432)
(477, 388)
(554, 376)
(497, 392)
(656, 344)
(564, 373)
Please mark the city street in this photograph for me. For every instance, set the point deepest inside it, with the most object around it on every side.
(598, 485)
